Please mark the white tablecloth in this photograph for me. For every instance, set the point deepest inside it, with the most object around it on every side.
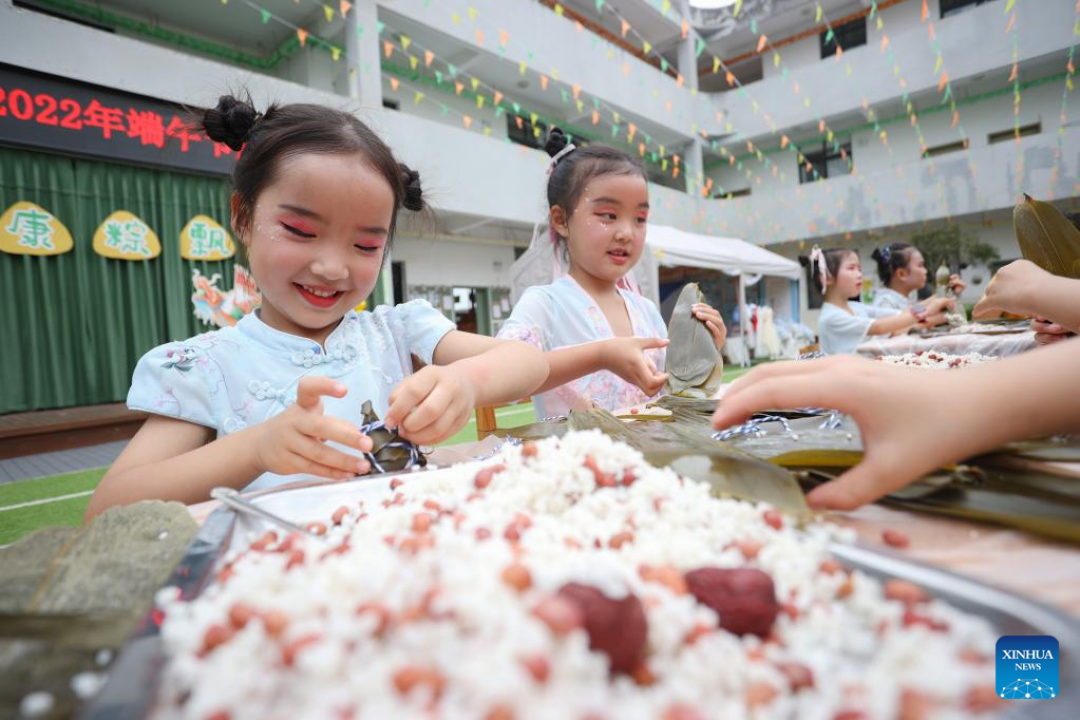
(992, 345)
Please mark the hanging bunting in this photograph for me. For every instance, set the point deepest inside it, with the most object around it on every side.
(123, 236)
(328, 12)
(428, 58)
(301, 35)
(203, 238)
(344, 7)
(29, 229)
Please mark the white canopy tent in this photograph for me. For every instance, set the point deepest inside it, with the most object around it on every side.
(732, 256)
(671, 247)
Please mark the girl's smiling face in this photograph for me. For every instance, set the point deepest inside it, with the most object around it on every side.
(316, 240)
(606, 232)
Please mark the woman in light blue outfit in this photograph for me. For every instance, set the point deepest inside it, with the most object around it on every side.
(844, 324)
(315, 202)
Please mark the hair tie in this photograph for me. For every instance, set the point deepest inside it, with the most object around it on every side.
(559, 156)
(885, 254)
(816, 255)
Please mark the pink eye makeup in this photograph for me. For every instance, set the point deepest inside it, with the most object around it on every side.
(299, 227)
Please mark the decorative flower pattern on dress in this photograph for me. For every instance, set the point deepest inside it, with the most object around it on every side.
(182, 359)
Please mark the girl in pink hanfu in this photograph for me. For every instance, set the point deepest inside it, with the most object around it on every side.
(603, 341)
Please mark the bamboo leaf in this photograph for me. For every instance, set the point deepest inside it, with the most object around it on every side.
(1047, 238)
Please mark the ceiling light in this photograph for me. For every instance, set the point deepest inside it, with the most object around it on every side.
(711, 4)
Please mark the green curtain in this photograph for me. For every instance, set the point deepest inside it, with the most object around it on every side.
(74, 325)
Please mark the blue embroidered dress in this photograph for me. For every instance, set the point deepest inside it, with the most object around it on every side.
(231, 378)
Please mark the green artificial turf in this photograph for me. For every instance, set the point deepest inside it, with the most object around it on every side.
(20, 521)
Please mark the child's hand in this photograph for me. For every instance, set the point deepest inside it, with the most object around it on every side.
(431, 405)
(1047, 331)
(956, 284)
(295, 440)
(889, 404)
(939, 305)
(1012, 289)
(711, 317)
(625, 356)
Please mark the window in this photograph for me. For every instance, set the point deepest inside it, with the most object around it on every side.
(947, 148)
(847, 36)
(955, 7)
(520, 130)
(830, 161)
(732, 194)
(1002, 136)
(391, 104)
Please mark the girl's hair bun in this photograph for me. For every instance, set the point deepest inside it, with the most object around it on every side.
(556, 141)
(231, 122)
(414, 194)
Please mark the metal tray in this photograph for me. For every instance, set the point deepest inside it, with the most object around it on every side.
(129, 692)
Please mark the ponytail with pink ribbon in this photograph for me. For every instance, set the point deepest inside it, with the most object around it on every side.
(817, 256)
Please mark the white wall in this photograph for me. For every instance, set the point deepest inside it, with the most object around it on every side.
(557, 49)
(833, 93)
(441, 262)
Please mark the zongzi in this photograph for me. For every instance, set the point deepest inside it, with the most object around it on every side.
(693, 364)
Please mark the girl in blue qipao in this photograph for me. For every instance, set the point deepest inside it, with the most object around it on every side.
(315, 202)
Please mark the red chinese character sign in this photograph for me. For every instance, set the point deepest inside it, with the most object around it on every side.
(29, 229)
(204, 239)
(123, 236)
(57, 114)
